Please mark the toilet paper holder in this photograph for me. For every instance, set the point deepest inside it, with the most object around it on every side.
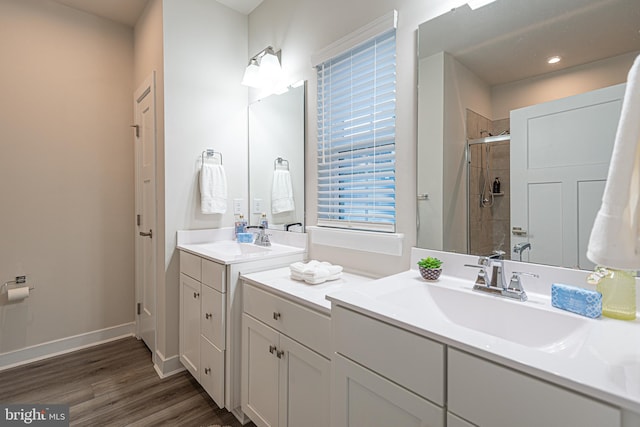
(20, 280)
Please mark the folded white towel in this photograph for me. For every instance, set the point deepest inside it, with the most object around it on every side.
(213, 189)
(282, 192)
(614, 238)
(315, 272)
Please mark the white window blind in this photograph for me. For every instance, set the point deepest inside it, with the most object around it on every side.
(356, 136)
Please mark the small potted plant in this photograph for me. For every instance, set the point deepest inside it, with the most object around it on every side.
(430, 268)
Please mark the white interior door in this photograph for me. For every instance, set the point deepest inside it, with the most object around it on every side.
(145, 164)
(560, 152)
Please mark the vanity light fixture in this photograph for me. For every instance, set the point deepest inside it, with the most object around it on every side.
(477, 4)
(554, 59)
(264, 69)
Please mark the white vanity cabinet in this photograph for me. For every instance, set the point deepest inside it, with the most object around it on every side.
(285, 361)
(384, 375)
(487, 394)
(202, 322)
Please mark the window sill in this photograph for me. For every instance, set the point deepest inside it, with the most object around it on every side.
(366, 241)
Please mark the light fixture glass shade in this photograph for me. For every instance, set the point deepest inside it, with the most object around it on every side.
(252, 74)
(270, 69)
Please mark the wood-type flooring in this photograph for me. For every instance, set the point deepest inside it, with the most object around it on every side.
(113, 384)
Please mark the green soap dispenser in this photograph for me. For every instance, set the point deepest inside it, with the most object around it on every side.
(618, 289)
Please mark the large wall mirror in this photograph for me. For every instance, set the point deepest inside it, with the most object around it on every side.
(492, 109)
(276, 159)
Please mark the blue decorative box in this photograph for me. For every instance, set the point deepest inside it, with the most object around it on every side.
(576, 300)
(245, 237)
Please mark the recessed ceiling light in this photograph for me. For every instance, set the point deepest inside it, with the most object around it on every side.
(554, 59)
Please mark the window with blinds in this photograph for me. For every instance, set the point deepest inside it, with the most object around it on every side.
(356, 137)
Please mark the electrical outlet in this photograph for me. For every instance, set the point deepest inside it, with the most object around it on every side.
(257, 206)
(237, 206)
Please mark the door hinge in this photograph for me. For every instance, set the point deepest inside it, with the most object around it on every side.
(138, 219)
(139, 309)
(137, 130)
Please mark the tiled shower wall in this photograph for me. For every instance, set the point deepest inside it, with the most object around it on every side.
(489, 226)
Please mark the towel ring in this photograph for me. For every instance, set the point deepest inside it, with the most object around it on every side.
(210, 153)
(279, 162)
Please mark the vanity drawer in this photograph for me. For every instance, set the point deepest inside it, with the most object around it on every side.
(413, 361)
(212, 321)
(214, 275)
(475, 385)
(191, 265)
(306, 326)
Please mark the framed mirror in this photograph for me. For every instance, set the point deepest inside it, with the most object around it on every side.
(276, 159)
(483, 71)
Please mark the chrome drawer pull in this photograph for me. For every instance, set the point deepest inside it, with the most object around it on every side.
(276, 315)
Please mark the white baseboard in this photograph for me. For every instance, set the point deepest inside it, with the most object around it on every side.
(167, 367)
(64, 345)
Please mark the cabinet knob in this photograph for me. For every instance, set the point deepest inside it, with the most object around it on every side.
(279, 354)
(272, 348)
(196, 294)
(207, 370)
(208, 315)
(276, 315)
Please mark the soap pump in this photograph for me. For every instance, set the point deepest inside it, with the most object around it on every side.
(496, 185)
(618, 289)
(240, 226)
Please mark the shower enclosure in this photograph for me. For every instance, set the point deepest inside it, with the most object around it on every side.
(489, 223)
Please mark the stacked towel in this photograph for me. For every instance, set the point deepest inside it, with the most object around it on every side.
(282, 192)
(615, 235)
(213, 189)
(315, 272)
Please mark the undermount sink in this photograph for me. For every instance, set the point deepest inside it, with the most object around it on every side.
(235, 248)
(518, 322)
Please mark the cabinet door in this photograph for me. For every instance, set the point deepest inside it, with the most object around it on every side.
(212, 319)
(212, 370)
(363, 398)
(305, 378)
(260, 372)
(190, 324)
(476, 384)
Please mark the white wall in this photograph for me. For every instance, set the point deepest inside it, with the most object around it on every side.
(302, 27)
(205, 54)
(66, 172)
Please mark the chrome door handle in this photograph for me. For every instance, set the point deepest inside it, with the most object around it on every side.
(149, 234)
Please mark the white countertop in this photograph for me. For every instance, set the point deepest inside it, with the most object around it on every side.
(312, 296)
(600, 359)
(218, 245)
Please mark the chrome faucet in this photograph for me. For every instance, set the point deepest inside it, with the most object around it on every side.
(262, 238)
(495, 283)
(518, 248)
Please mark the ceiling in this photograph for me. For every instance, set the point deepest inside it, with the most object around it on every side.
(510, 40)
(127, 11)
(122, 11)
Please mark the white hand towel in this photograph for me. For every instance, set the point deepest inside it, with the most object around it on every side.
(316, 275)
(614, 238)
(281, 192)
(213, 189)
